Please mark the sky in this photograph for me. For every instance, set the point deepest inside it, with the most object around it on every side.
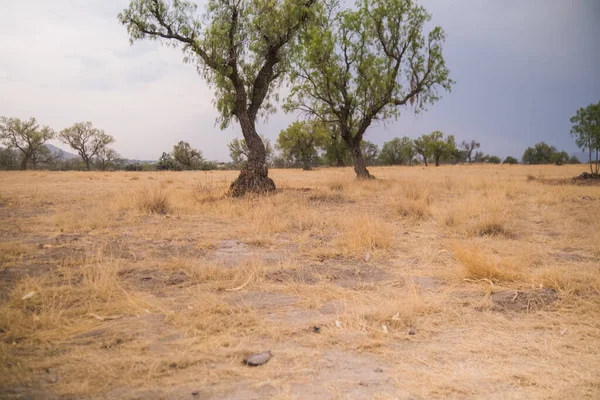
(522, 69)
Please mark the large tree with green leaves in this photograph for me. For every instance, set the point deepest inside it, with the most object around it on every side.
(586, 130)
(422, 148)
(86, 140)
(241, 48)
(301, 141)
(363, 64)
(25, 136)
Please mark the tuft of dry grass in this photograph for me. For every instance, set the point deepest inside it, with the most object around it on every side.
(476, 264)
(152, 200)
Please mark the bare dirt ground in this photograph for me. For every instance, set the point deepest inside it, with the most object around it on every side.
(451, 282)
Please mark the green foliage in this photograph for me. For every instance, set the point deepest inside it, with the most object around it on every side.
(397, 152)
(370, 152)
(510, 160)
(439, 147)
(167, 163)
(335, 149)
(574, 160)
(422, 147)
(25, 136)
(586, 130)
(240, 47)
(187, 157)
(543, 153)
(361, 64)
(301, 141)
(493, 159)
(9, 159)
(239, 151)
(107, 159)
(86, 140)
(479, 157)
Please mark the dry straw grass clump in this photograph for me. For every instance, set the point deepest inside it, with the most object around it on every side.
(476, 264)
(363, 234)
(152, 200)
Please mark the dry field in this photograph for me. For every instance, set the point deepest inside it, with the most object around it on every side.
(452, 282)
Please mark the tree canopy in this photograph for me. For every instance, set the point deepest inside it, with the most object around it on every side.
(586, 130)
(359, 65)
(186, 156)
(239, 151)
(301, 141)
(86, 140)
(543, 153)
(241, 48)
(25, 136)
(398, 151)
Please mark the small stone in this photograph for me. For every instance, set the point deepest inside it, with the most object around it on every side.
(196, 393)
(378, 370)
(412, 331)
(363, 383)
(316, 329)
(258, 359)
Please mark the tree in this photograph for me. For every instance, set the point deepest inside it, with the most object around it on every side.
(440, 148)
(574, 160)
(458, 156)
(301, 140)
(336, 151)
(239, 151)
(166, 162)
(370, 152)
(421, 146)
(586, 130)
(186, 156)
(469, 147)
(86, 140)
(492, 159)
(242, 51)
(9, 159)
(397, 152)
(510, 160)
(106, 158)
(542, 153)
(363, 64)
(479, 157)
(25, 136)
(44, 156)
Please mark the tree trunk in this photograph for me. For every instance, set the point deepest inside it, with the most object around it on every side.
(437, 161)
(24, 163)
(424, 159)
(306, 165)
(254, 177)
(360, 166)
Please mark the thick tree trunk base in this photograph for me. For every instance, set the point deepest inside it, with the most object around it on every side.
(251, 182)
(364, 177)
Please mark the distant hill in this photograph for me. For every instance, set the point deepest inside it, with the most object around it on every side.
(65, 154)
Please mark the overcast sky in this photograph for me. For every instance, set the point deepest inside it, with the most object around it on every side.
(522, 67)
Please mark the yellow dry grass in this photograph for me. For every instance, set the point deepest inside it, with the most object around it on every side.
(155, 285)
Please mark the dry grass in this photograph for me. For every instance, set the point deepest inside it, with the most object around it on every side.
(155, 285)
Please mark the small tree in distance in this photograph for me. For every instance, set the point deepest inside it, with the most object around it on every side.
(25, 136)
(301, 141)
(469, 147)
(440, 148)
(510, 160)
(86, 140)
(422, 147)
(186, 156)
